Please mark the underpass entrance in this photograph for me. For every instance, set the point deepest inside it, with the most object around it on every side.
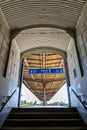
(44, 75)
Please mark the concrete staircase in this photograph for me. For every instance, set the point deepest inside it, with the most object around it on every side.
(44, 119)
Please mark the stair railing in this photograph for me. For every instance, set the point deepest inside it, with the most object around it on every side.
(7, 98)
(83, 102)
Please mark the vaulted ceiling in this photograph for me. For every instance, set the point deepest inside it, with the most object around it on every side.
(43, 23)
(61, 15)
(21, 13)
(43, 37)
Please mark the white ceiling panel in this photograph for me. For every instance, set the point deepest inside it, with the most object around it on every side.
(24, 13)
(20, 13)
(43, 37)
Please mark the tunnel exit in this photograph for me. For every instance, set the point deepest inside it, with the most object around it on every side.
(44, 75)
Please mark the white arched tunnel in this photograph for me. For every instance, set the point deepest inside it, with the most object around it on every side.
(44, 48)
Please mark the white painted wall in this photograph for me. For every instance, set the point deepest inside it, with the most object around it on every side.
(4, 42)
(10, 83)
(82, 44)
(73, 64)
(81, 31)
(6, 89)
(14, 64)
(79, 84)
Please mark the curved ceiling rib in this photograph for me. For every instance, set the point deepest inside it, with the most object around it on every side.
(20, 13)
(42, 37)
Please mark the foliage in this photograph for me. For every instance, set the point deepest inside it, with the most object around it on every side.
(25, 103)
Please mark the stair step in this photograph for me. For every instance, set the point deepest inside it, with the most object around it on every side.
(35, 123)
(65, 113)
(22, 120)
(45, 115)
(44, 119)
(44, 110)
(44, 128)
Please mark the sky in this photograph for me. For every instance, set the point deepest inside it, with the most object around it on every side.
(61, 95)
(28, 95)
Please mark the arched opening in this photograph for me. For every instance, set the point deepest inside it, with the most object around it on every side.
(43, 42)
(44, 74)
(56, 24)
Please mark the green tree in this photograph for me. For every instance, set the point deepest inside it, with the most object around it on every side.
(24, 101)
(35, 103)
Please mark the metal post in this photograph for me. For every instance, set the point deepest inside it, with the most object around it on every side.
(67, 81)
(21, 80)
(44, 95)
(44, 83)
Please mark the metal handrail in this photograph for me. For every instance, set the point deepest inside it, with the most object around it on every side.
(79, 99)
(7, 99)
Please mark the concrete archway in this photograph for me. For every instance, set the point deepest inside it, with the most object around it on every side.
(41, 50)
